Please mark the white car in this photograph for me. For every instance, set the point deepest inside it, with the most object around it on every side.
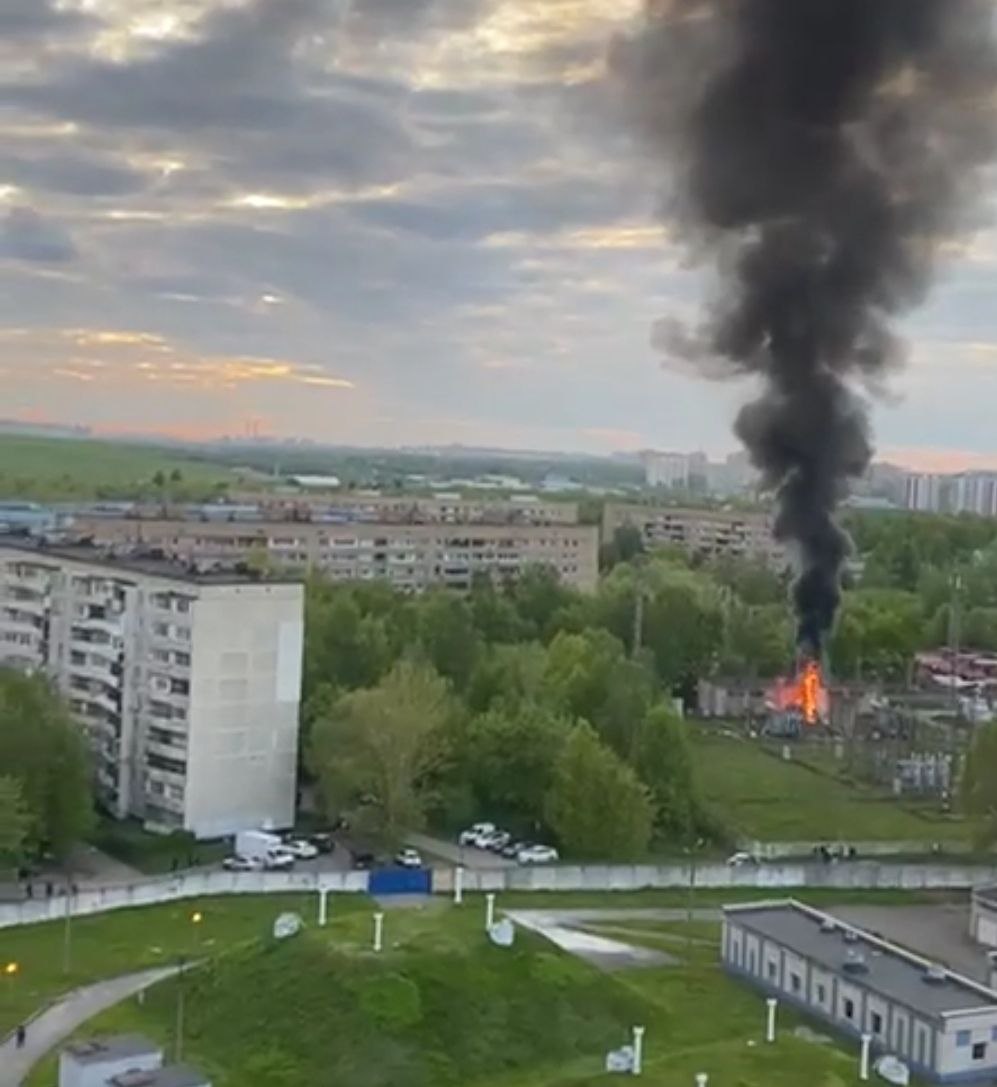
(301, 849)
(537, 854)
(474, 834)
(279, 860)
(408, 858)
(236, 863)
(739, 859)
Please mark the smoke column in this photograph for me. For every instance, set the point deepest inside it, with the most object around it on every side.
(817, 152)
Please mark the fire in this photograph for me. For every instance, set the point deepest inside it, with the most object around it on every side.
(806, 694)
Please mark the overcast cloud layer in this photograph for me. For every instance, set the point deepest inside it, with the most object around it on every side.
(371, 221)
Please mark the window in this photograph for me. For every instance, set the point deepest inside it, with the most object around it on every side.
(821, 994)
(963, 1038)
(877, 1023)
(772, 968)
(794, 982)
(849, 1008)
(980, 1051)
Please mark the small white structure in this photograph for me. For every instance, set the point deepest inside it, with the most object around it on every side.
(94, 1062)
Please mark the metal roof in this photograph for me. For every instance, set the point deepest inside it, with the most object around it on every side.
(889, 971)
(112, 1048)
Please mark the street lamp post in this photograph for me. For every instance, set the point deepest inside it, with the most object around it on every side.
(692, 851)
(195, 919)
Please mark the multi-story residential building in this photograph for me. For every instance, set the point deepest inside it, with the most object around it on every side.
(188, 685)
(942, 1025)
(409, 556)
(707, 533)
(672, 470)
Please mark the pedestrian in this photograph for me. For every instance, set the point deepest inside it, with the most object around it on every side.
(29, 889)
(20, 1035)
(48, 888)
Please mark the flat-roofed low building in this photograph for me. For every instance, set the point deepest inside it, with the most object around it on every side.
(93, 1062)
(942, 1025)
(170, 1075)
(701, 533)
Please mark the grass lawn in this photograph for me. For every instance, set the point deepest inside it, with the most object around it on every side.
(765, 798)
(53, 469)
(441, 1007)
(119, 942)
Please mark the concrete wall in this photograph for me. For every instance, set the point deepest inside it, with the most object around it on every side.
(857, 875)
(171, 889)
(782, 850)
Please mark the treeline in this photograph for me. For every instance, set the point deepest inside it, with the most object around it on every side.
(538, 706)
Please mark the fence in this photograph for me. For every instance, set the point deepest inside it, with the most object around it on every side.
(859, 875)
(784, 850)
(152, 891)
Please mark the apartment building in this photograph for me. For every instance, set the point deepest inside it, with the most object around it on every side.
(408, 556)
(941, 1025)
(706, 533)
(188, 685)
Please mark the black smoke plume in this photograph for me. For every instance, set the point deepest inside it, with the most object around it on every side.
(819, 152)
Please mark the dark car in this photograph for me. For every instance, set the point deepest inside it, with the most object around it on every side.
(323, 842)
(362, 858)
(512, 849)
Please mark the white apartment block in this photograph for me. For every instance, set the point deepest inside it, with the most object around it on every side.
(188, 686)
(409, 556)
(705, 533)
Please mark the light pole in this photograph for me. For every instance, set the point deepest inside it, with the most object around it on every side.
(67, 933)
(692, 851)
(195, 919)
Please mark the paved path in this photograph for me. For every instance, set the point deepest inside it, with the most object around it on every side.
(561, 928)
(60, 1020)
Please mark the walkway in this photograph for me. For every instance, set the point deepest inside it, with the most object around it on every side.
(57, 1022)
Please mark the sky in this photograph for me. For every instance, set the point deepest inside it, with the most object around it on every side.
(378, 222)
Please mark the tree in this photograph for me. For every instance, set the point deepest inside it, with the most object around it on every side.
(663, 758)
(495, 616)
(15, 820)
(597, 806)
(510, 759)
(627, 544)
(159, 479)
(42, 747)
(979, 785)
(447, 635)
(877, 633)
(538, 595)
(379, 753)
(344, 645)
(507, 676)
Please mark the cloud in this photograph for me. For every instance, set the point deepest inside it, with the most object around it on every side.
(27, 235)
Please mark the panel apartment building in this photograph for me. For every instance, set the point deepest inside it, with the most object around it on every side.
(705, 533)
(409, 555)
(188, 685)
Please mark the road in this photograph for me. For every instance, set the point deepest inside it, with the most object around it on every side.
(60, 1020)
(452, 853)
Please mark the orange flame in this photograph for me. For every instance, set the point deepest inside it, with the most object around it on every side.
(806, 693)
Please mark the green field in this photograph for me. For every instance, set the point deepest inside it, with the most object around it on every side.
(442, 1007)
(762, 797)
(125, 940)
(51, 469)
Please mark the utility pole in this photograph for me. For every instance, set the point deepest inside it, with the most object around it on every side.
(640, 594)
(954, 635)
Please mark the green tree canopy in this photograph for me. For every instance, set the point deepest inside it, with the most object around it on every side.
(44, 750)
(15, 820)
(979, 785)
(597, 806)
(664, 761)
(379, 753)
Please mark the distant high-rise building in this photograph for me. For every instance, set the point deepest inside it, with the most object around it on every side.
(671, 470)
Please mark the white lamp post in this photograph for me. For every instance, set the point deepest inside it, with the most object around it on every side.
(771, 1004)
(864, 1059)
(458, 884)
(702, 1079)
(378, 931)
(489, 911)
(323, 906)
(638, 1050)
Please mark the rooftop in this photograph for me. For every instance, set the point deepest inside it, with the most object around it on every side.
(883, 968)
(173, 1075)
(116, 1047)
(148, 562)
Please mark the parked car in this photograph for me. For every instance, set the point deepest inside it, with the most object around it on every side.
(235, 863)
(475, 833)
(362, 858)
(279, 860)
(498, 841)
(323, 842)
(538, 854)
(739, 859)
(408, 858)
(514, 848)
(303, 850)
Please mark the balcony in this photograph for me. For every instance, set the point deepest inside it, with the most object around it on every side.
(113, 626)
(21, 624)
(99, 670)
(166, 751)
